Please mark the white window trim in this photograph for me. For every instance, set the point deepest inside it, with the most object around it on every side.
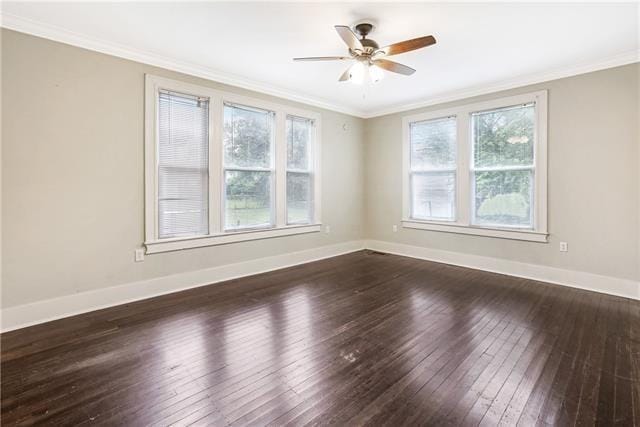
(462, 223)
(217, 236)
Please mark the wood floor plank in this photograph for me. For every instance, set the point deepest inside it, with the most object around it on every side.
(360, 339)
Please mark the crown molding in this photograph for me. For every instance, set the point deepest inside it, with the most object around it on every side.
(520, 81)
(58, 34)
(51, 32)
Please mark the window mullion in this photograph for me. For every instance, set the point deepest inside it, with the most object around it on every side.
(406, 169)
(280, 169)
(463, 179)
(151, 160)
(216, 172)
(540, 159)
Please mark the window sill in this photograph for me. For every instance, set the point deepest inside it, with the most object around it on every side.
(527, 235)
(176, 244)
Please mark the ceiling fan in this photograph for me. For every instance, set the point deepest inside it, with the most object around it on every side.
(369, 56)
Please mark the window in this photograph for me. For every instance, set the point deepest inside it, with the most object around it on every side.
(503, 170)
(223, 168)
(478, 169)
(300, 134)
(433, 169)
(248, 167)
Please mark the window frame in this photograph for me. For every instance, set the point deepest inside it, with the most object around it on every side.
(465, 187)
(217, 235)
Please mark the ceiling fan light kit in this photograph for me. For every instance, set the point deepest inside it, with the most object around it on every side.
(368, 56)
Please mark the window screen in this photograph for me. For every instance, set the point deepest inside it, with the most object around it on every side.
(503, 167)
(183, 165)
(433, 169)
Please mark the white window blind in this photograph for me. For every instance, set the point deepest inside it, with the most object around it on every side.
(299, 170)
(503, 167)
(183, 165)
(433, 169)
(248, 167)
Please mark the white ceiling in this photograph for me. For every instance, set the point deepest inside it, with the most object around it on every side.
(480, 47)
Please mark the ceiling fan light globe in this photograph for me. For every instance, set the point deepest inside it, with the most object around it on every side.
(356, 73)
(375, 73)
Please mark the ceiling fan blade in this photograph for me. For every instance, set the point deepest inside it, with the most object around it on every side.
(349, 37)
(394, 67)
(407, 45)
(345, 76)
(323, 58)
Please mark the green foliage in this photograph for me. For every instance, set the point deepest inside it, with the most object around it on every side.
(246, 184)
(247, 143)
(247, 137)
(504, 207)
(503, 196)
(504, 137)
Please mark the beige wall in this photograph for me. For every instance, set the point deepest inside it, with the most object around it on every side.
(72, 175)
(593, 180)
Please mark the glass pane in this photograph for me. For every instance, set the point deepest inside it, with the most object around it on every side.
(298, 142)
(504, 198)
(248, 199)
(433, 195)
(183, 165)
(248, 136)
(299, 199)
(433, 144)
(504, 137)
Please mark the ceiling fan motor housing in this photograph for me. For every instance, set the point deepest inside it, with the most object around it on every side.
(363, 30)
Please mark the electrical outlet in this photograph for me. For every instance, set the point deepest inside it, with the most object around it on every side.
(139, 255)
(564, 247)
(327, 229)
(395, 228)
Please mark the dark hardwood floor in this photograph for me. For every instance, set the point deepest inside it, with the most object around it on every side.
(360, 339)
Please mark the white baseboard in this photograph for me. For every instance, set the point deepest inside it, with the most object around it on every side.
(575, 279)
(44, 311)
